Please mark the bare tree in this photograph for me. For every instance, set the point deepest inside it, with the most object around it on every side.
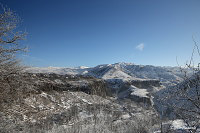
(10, 67)
(9, 43)
(185, 98)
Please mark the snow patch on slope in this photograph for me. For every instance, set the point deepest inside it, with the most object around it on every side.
(179, 124)
(140, 92)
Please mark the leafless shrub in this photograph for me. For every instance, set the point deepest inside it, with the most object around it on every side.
(186, 97)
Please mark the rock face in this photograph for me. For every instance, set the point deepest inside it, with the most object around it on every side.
(89, 85)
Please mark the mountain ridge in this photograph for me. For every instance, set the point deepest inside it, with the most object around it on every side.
(125, 71)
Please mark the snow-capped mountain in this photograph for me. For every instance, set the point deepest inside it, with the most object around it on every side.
(123, 71)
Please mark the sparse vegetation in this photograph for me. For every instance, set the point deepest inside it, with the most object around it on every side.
(114, 98)
(187, 95)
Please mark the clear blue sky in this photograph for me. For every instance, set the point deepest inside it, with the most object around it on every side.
(91, 32)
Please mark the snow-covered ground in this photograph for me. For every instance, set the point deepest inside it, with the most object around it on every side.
(139, 92)
(178, 124)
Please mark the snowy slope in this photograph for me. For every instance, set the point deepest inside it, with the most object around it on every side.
(133, 90)
(124, 71)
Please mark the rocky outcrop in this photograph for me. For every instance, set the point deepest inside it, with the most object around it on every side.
(89, 85)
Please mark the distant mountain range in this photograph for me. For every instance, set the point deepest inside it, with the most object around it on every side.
(123, 71)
